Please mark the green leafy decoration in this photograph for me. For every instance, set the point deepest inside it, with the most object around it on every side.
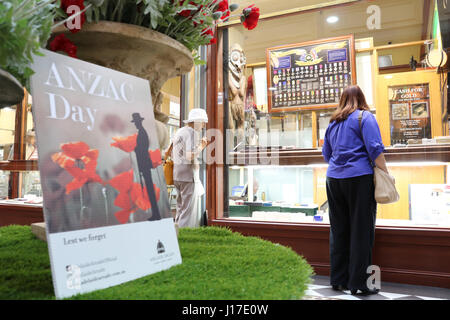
(25, 27)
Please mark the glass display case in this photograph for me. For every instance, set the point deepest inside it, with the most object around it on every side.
(297, 194)
(29, 193)
(19, 177)
(31, 186)
(323, 120)
(290, 129)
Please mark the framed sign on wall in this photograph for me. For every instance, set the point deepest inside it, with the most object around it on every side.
(409, 112)
(310, 75)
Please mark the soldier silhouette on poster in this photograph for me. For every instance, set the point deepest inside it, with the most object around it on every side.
(145, 164)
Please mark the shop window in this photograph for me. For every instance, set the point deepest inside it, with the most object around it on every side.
(7, 128)
(31, 186)
(277, 97)
(286, 129)
(171, 104)
(323, 120)
(19, 181)
(30, 135)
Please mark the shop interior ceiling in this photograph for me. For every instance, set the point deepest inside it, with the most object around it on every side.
(401, 21)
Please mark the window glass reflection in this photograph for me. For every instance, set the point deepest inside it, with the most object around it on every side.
(7, 126)
(4, 184)
(31, 186)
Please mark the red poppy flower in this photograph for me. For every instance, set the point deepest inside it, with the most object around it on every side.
(127, 144)
(155, 157)
(250, 16)
(210, 32)
(124, 184)
(75, 150)
(71, 50)
(185, 13)
(72, 154)
(201, 21)
(61, 43)
(65, 4)
(188, 13)
(224, 8)
(131, 196)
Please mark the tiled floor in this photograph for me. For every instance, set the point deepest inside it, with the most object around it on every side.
(320, 289)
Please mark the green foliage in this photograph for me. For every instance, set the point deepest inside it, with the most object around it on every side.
(25, 26)
(218, 264)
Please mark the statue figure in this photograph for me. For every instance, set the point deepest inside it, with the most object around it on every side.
(237, 84)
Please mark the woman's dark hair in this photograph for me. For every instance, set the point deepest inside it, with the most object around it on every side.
(352, 99)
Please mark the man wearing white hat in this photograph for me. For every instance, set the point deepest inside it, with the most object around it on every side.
(187, 146)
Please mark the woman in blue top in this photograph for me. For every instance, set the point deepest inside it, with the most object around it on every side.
(350, 190)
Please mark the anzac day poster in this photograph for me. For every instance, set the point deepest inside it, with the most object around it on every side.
(105, 204)
(409, 112)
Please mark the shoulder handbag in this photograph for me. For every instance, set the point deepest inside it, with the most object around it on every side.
(385, 191)
(168, 166)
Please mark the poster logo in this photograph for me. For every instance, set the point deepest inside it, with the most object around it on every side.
(160, 247)
(73, 277)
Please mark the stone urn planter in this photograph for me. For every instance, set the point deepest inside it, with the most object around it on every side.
(135, 50)
(11, 91)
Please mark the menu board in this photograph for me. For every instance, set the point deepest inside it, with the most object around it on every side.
(409, 112)
(310, 75)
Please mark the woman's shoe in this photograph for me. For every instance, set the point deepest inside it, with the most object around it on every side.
(339, 288)
(365, 292)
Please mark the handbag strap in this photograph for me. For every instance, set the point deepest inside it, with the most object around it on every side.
(360, 116)
(168, 152)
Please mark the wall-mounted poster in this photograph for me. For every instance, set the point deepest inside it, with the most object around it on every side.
(106, 205)
(310, 75)
(409, 112)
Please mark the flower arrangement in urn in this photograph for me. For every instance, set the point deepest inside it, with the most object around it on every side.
(151, 39)
(166, 33)
(26, 25)
(192, 23)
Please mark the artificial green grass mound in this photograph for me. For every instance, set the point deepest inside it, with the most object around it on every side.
(218, 264)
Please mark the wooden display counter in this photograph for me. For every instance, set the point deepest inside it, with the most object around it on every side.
(405, 254)
(20, 214)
